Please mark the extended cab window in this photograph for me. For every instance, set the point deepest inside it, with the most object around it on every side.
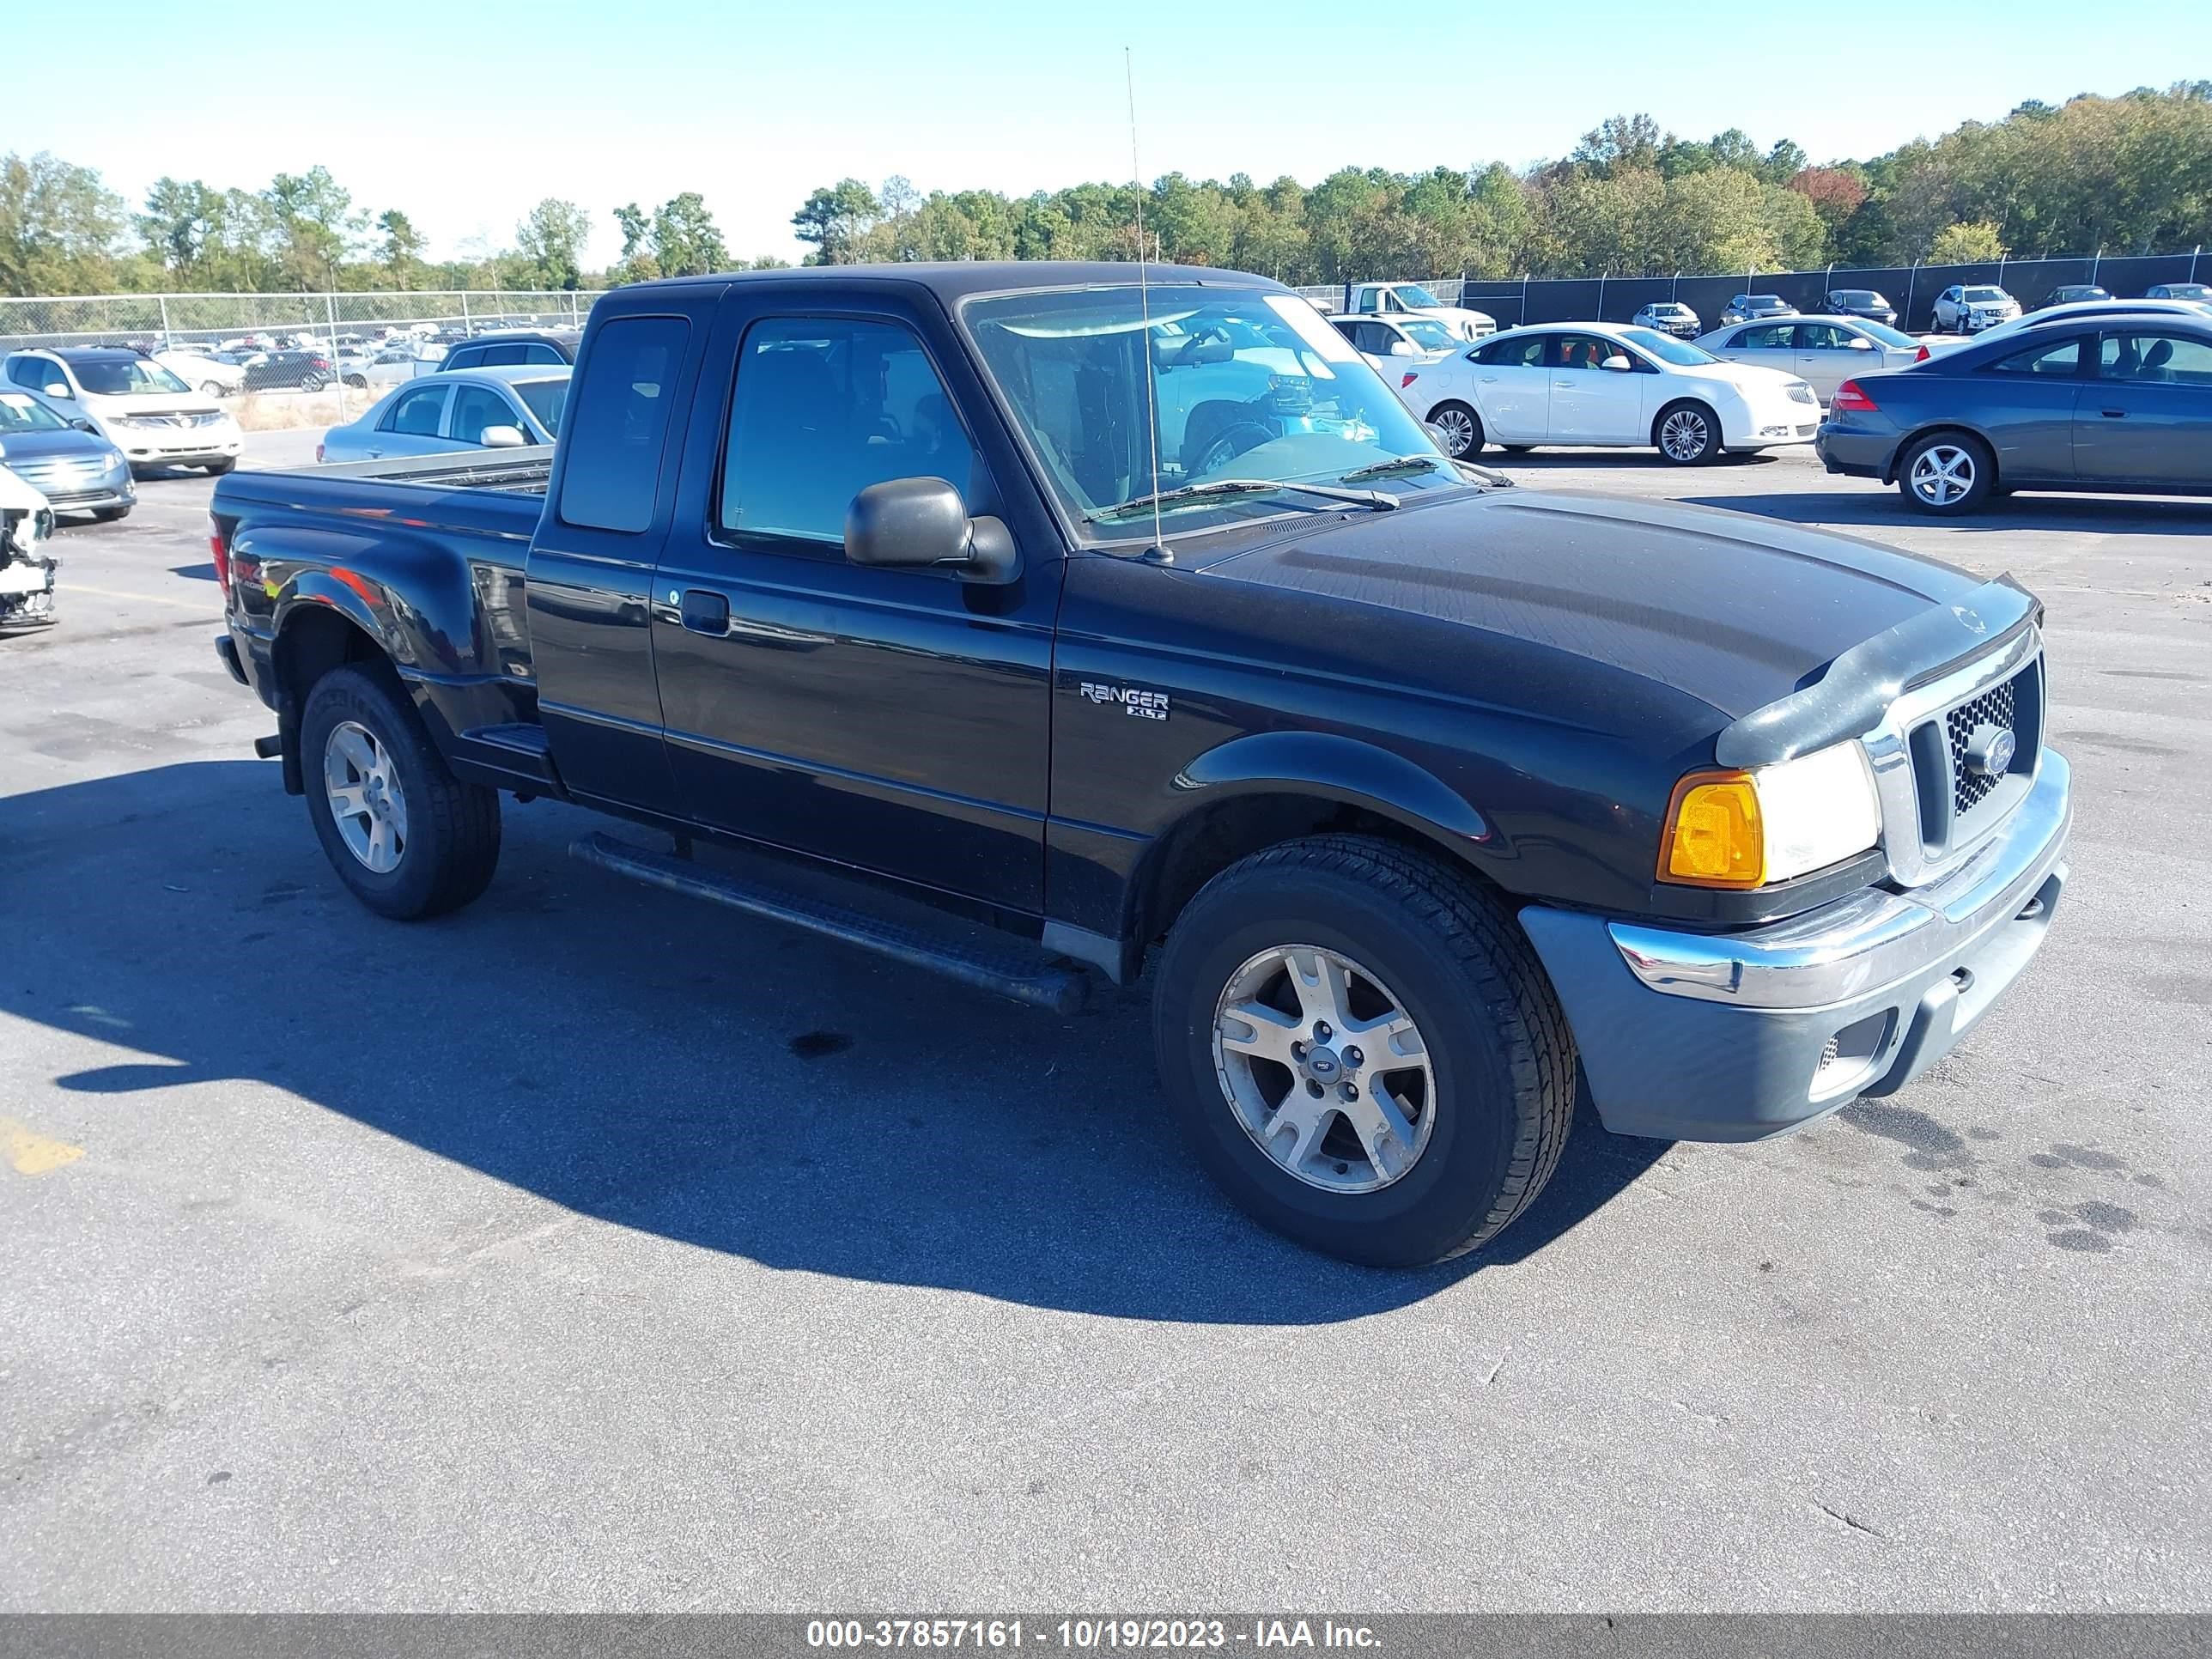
(823, 408)
(619, 418)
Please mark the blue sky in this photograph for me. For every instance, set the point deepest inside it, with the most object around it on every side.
(752, 106)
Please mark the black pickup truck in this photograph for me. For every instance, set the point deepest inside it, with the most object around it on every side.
(1143, 625)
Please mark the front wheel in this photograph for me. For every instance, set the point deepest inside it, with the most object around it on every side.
(1947, 473)
(1460, 429)
(217, 469)
(1363, 1050)
(110, 515)
(406, 836)
(1687, 433)
(212, 389)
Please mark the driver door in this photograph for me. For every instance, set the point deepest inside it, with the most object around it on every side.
(1591, 403)
(891, 720)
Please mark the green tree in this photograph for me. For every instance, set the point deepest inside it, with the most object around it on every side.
(551, 240)
(401, 252)
(59, 228)
(836, 219)
(313, 223)
(686, 241)
(637, 265)
(181, 221)
(1966, 244)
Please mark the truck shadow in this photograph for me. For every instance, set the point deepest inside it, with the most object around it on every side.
(664, 1066)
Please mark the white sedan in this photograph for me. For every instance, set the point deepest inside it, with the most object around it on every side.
(211, 374)
(1605, 383)
(1823, 351)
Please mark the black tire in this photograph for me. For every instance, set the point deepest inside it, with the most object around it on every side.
(1503, 1059)
(1464, 424)
(360, 381)
(452, 847)
(312, 383)
(217, 469)
(1702, 419)
(111, 514)
(211, 389)
(1969, 455)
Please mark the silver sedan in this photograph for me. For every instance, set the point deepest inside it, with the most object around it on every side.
(1822, 351)
(505, 407)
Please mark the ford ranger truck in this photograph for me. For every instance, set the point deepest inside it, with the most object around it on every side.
(1141, 628)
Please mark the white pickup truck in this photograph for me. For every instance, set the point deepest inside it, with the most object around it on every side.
(1412, 300)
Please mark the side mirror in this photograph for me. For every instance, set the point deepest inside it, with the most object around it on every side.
(1618, 363)
(1860, 343)
(502, 437)
(922, 523)
(58, 389)
(1403, 348)
(83, 425)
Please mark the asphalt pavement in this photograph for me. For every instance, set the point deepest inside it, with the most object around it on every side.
(589, 1249)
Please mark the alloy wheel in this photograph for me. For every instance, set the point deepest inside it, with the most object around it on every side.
(1323, 1068)
(1943, 474)
(1683, 436)
(367, 802)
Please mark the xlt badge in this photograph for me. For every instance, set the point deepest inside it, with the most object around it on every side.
(1144, 705)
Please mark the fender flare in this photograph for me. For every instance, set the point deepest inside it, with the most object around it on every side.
(1335, 768)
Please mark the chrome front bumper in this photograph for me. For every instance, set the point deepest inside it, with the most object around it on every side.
(1733, 1036)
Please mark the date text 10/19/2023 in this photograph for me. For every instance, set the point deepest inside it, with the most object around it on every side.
(1084, 1635)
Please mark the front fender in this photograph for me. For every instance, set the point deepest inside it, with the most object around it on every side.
(1335, 768)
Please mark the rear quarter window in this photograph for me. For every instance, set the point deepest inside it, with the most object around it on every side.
(616, 423)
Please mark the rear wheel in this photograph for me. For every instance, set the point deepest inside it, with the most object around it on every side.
(406, 836)
(1363, 1050)
(1946, 473)
(312, 383)
(1461, 429)
(1687, 433)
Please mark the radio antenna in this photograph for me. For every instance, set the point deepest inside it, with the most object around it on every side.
(1144, 303)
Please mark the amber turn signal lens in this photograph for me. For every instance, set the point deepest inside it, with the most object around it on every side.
(1714, 837)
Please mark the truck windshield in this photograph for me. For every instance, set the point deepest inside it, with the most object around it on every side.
(1414, 294)
(1245, 384)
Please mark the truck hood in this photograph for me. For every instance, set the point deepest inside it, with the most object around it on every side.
(1733, 609)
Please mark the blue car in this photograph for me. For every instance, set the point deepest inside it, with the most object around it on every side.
(76, 471)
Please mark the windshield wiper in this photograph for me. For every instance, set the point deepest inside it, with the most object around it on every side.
(1380, 500)
(1395, 467)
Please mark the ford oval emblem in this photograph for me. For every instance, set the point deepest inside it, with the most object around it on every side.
(1990, 751)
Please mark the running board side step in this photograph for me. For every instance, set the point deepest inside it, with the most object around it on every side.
(1011, 972)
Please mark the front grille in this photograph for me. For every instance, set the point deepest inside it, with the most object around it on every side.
(1993, 708)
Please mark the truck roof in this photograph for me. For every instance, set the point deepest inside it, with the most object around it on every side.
(957, 280)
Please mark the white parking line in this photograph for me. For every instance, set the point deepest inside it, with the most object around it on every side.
(148, 598)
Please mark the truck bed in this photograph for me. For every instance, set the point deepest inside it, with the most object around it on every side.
(515, 471)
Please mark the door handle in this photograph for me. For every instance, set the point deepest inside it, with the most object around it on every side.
(2116, 414)
(706, 612)
(1562, 386)
(1488, 380)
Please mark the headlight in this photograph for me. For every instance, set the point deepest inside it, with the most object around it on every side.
(1748, 829)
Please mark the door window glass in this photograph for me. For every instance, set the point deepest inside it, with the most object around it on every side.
(1768, 336)
(2157, 359)
(415, 412)
(475, 408)
(1526, 352)
(1583, 351)
(822, 409)
(1822, 336)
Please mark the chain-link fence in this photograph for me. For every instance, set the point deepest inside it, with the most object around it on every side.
(289, 358)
